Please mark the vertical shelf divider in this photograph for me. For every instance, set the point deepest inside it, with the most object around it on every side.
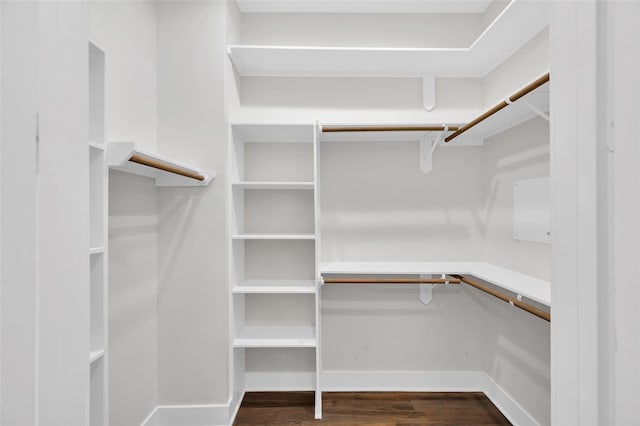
(98, 250)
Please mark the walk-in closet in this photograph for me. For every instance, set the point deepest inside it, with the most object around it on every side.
(298, 212)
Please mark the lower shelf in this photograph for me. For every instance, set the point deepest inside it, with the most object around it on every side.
(295, 336)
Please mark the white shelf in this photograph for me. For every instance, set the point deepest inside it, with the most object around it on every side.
(275, 286)
(525, 285)
(96, 250)
(274, 185)
(95, 355)
(510, 116)
(273, 237)
(119, 154)
(516, 25)
(294, 336)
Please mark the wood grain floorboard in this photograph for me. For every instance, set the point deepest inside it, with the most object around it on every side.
(370, 409)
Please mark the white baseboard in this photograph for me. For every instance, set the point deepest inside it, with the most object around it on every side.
(191, 415)
(350, 381)
(508, 406)
(403, 381)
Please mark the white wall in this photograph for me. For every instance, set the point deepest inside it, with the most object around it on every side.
(18, 35)
(519, 153)
(133, 280)
(361, 30)
(192, 294)
(126, 32)
(45, 310)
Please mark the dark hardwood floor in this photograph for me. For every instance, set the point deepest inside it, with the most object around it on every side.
(370, 409)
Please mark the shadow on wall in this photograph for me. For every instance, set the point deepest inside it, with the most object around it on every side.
(183, 205)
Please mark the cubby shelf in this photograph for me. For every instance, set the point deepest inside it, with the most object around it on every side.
(274, 185)
(96, 355)
(274, 237)
(269, 336)
(275, 286)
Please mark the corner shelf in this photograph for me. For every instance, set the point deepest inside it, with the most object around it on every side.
(532, 288)
(292, 336)
(125, 157)
(516, 25)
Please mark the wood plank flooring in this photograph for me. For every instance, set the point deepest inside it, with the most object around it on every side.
(370, 409)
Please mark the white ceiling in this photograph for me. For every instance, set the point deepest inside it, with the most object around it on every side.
(363, 6)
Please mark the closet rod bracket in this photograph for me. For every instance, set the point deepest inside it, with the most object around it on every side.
(428, 145)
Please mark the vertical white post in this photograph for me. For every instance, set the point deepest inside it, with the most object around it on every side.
(316, 211)
(574, 121)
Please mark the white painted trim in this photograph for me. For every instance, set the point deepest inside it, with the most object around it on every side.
(150, 419)
(508, 406)
(403, 381)
(191, 415)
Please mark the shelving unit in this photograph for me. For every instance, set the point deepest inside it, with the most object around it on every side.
(98, 244)
(125, 157)
(273, 263)
(518, 23)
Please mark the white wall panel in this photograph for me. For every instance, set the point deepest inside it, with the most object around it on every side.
(192, 294)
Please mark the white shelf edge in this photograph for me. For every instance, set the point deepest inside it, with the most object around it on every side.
(532, 288)
(269, 336)
(273, 185)
(254, 236)
(96, 250)
(95, 355)
(97, 145)
(275, 287)
(119, 153)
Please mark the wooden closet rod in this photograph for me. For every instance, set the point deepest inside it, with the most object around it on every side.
(161, 165)
(387, 129)
(519, 94)
(524, 306)
(390, 281)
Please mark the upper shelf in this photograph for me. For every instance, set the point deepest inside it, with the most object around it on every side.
(124, 157)
(524, 285)
(519, 22)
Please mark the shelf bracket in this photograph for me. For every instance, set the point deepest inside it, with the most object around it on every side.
(429, 92)
(426, 291)
(533, 108)
(428, 145)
